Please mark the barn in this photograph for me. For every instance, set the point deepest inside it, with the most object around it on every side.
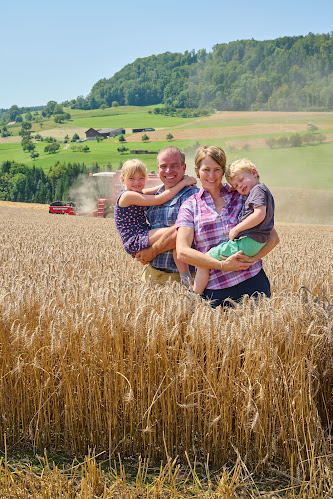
(104, 133)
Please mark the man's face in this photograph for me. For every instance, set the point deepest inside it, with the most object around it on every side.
(171, 169)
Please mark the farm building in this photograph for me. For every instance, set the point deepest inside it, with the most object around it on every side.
(142, 151)
(92, 133)
(137, 130)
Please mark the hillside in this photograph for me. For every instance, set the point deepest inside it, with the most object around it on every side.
(289, 73)
(300, 177)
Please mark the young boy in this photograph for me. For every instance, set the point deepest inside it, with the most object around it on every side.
(256, 219)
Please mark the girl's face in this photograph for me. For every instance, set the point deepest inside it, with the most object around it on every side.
(135, 182)
(243, 182)
(210, 174)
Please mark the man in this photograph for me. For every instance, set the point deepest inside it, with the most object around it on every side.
(171, 167)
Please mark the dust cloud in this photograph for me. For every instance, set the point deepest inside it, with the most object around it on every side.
(84, 195)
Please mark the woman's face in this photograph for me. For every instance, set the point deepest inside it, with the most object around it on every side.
(210, 174)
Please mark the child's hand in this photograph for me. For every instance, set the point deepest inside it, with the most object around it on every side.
(189, 180)
(233, 233)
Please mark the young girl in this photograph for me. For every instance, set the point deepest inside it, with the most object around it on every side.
(129, 213)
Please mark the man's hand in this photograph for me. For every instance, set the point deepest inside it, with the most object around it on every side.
(145, 255)
(233, 233)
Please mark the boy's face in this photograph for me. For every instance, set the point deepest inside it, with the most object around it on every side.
(243, 182)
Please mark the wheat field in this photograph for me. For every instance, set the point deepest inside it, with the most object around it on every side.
(91, 358)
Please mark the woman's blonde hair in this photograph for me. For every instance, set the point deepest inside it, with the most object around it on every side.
(241, 165)
(214, 152)
(132, 166)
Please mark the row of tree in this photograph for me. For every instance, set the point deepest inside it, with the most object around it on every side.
(296, 140)
(289, 73)
(21, 183)
(17, 114)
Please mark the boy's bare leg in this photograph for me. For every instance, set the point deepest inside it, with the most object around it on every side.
(201, 280)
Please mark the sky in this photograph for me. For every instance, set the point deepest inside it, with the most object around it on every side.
(59, 50)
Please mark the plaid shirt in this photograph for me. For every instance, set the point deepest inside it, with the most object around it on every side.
(165, 215)
(211, 228)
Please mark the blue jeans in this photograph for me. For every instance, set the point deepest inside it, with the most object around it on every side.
(252, 287)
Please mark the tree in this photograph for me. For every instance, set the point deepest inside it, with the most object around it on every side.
(312, 127)
(283, 141)
(270, 142)
(320, 138)
(122, 149)
(144, 137)
(34, 155)
(121, 138)
(28, 116)
(58, 109)
(5, 132)
(59, 118)
(115, 103)
(27, 145)
(169, 136)
(52, 148)
(75, 137)
(26, 125)
(14, 113)
(295, 140)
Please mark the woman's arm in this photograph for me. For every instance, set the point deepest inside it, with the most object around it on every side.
(189, 255)
(129, 198)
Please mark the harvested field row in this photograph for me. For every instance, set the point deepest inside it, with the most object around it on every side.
(224, 133)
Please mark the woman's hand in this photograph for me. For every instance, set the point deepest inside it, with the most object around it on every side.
(271, 243)
(235, 262)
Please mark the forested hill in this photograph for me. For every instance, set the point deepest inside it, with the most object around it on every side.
(290, 73)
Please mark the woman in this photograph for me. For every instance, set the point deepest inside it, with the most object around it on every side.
(206, 219)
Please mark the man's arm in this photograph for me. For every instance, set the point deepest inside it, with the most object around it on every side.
(166, 242)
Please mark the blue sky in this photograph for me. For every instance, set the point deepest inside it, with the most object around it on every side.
(58, 50)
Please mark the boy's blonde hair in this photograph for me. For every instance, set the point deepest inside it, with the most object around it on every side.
(241, 165)
(132, 166)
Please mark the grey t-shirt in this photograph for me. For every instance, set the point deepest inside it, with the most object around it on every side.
(259, 195)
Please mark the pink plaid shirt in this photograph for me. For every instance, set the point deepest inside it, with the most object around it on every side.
(211, 228)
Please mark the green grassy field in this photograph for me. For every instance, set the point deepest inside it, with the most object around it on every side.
(307, 167)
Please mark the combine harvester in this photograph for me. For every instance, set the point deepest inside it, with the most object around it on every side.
(106, 187)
